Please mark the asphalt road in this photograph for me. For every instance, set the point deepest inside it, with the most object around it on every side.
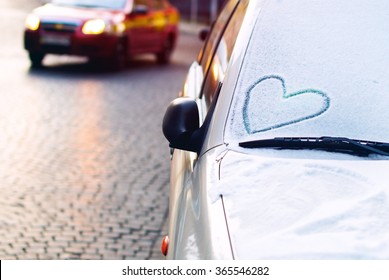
(84, 167)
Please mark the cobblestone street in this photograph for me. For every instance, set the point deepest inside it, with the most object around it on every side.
(84, 167)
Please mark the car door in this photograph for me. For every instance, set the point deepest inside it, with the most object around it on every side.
(138, 23)
(203, 83)
(158, 24)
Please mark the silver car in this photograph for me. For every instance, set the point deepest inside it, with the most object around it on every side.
(281, 135)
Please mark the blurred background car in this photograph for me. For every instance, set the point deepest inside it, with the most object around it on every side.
(110, 31)
(280, 135)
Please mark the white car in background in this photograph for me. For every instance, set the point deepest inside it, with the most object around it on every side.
(281, 135)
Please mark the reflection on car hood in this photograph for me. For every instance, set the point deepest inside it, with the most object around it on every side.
(289, 208)
(55, 12)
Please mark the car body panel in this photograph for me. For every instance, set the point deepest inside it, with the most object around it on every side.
(324, 206)
(190, 234)
(193, 81)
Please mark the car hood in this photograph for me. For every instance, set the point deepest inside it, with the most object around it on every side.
(327, 206)
(56, 12)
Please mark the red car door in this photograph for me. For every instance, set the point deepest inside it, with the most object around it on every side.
(159, 22)
(139, 26)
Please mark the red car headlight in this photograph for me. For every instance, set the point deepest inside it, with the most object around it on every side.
(32, 22)
(94, 27)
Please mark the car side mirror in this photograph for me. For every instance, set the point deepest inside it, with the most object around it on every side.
(203, 34)
(180, 123)
(140, 10)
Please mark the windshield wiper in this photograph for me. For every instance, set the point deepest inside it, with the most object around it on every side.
(331, 144)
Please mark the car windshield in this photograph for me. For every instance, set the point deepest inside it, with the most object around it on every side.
(307, 75)
(108, 4)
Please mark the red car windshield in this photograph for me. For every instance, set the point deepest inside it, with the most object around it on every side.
(106, 4)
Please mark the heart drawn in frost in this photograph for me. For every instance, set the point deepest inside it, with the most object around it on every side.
(268, 106)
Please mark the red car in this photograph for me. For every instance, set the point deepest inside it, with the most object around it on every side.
(107, 30)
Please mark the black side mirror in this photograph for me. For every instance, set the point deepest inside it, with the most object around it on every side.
(203, 34)
(140, 10)
(180, 123)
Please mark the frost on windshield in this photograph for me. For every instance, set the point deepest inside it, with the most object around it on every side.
(271, 92)
(305, 75)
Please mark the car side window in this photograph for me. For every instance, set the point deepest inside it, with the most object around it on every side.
(222, 56)
(141, 2)
(217, 29)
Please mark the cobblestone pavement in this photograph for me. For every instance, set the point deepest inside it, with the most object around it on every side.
(84, 168)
